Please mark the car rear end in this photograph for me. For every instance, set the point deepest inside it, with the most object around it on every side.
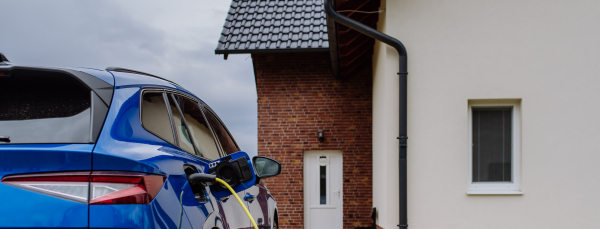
(50, 120)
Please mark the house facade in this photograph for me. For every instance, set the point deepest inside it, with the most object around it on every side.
(501, 111)
(538, 58)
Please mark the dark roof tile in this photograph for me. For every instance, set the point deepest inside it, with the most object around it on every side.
(255, 25)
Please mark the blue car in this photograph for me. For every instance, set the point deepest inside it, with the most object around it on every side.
(115, 148)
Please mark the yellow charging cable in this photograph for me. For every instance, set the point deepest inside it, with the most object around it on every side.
(239, 200)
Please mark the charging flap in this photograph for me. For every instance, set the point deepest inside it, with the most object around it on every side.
(236, 169)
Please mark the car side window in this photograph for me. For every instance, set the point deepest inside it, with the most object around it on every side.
(196, 134)
(155, 117)
(226, 141)
(180, 127)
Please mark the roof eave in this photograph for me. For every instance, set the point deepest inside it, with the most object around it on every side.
(258, 51)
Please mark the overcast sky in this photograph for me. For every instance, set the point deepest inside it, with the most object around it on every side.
(173, 39)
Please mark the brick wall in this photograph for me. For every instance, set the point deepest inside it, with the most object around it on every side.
(297, 96)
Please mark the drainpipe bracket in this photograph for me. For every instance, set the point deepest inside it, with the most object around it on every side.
(402, 140)
(402, 73)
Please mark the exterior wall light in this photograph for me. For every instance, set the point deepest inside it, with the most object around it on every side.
(321, 135)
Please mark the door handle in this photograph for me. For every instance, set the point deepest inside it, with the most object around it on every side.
(249, 198)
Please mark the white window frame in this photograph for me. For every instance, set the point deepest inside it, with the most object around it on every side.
(498, 188)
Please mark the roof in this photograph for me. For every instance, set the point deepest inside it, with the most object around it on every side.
(254, 26)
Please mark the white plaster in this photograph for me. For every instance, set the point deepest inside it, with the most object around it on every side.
(545, 53)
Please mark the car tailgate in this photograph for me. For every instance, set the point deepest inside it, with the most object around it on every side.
(25, 208)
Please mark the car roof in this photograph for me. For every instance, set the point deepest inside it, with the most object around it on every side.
(131, 78)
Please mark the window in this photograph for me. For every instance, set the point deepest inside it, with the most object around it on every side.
(323, 180)
(183, 140)
(193, 133)
(492, 153)
(47, 107)
(224, 138)
(155, 117)
(495, 147)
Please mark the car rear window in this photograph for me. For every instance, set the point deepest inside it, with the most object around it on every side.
(45, 107)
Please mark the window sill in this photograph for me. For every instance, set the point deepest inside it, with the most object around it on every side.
(495, 192)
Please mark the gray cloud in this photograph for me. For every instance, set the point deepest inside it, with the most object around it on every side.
(174, 39)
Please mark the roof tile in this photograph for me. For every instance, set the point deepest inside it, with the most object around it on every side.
(255, 25)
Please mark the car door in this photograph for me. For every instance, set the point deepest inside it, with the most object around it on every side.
(161, 115)
(195, 137)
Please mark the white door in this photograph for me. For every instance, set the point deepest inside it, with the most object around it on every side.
(323, 192)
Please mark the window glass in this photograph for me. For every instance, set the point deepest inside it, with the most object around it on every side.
(155, 117)
(492, 144)
(44, 107)
(323, 185)
(227, 143)
(180, 128)
(198, 129)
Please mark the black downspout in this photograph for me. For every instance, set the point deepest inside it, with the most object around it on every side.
(402, 72)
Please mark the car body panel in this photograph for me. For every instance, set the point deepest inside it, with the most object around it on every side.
(24, 208)
(125, 79)
(198, 212)
(263, 206)
(214, 220)
(104, 75)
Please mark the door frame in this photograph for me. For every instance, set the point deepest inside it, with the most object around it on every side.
(340, 208)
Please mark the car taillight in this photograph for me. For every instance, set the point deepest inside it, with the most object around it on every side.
(124, 187)
(98, 187)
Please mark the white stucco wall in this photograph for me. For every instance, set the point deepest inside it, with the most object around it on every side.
(546, 53)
